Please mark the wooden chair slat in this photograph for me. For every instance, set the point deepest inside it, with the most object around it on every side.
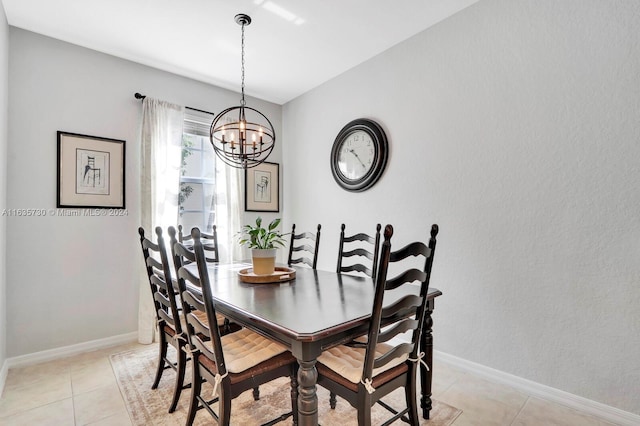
(368, 249)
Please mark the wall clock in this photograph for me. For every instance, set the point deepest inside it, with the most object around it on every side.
(359, 155)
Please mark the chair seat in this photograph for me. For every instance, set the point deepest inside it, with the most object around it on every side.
(202, 316)
(245, 349)
(348, 362)
(168, 328)
(272, 363)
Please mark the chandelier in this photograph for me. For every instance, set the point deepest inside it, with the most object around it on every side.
(241, 136)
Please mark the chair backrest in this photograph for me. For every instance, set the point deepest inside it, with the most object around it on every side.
(159, 274)
(405, 314)
(209, 243)
(178, 261)
(368, 247)
(307, 243)
(197, 301)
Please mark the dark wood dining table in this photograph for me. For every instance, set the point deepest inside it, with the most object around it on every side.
(309, 314)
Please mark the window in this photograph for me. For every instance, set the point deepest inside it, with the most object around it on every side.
(197, 198)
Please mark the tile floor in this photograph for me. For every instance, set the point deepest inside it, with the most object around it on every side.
(82, 390)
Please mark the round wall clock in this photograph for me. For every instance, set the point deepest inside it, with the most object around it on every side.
(359, 155)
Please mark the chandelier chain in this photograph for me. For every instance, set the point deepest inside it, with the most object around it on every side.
(242, 101)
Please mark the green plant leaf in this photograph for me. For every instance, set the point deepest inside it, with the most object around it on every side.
(274, 224)
(261, 238)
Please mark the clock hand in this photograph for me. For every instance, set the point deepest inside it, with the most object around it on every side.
(356, 155)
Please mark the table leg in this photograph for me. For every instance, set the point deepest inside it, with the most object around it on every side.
(307, 397)
(426, 376)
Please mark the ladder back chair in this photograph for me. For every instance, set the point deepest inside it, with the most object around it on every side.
(233, 363)
(185, 257)
(302, 245)
(167, 312)
(361, 247)
(364, 375)
(209, 243)
(368, 248)
(224, 324)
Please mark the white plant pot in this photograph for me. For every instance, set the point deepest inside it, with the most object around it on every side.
(264, 261)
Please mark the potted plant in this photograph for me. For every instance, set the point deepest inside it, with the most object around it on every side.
(263, 243)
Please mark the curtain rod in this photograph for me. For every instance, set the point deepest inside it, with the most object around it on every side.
(141, 97)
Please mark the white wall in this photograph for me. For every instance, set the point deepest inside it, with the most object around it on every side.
(514, 126)
(73, 279)
(4, 101)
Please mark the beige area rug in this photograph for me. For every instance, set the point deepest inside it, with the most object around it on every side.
(135, 370)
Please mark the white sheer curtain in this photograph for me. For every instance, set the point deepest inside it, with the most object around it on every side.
(227, 207)
(161, 144)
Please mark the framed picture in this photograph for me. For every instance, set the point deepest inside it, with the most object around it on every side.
(261, 186)
(90, 171)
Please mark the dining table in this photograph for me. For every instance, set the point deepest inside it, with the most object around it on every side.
(309, 314)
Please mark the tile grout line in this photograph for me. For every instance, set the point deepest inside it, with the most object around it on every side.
(73, 399)
(520, 410)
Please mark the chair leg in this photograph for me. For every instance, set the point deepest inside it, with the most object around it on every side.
(411, 395)
(256, 393)
(224, 406)
(196, 386)
(332, 400)
(294, 396)
(162, 354)
(182, 364)
(364, 410)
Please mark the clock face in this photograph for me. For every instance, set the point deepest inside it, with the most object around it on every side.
(356, 155)
(359, 155)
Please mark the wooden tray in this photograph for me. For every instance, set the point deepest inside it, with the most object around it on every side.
(281, 274)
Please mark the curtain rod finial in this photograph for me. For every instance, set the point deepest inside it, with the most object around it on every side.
(139, 96)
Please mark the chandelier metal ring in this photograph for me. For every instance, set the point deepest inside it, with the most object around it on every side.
(257, 137)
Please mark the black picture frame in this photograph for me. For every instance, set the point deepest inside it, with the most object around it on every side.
(90, 172)
(262, 188)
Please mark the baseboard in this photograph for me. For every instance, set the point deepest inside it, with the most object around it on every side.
(66, 351)
(596, 409)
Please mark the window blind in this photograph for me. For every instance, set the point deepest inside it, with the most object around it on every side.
(197, 122)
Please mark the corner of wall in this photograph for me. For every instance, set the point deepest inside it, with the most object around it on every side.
(4, 112)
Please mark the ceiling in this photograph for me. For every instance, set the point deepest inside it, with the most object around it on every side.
(291, 46)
